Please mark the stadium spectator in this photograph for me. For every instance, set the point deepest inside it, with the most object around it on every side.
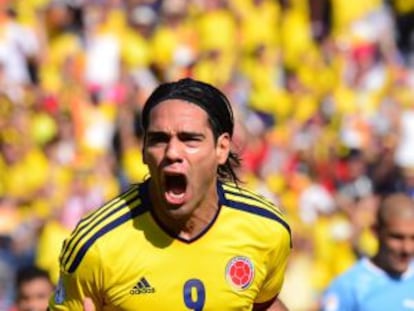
(385, 281)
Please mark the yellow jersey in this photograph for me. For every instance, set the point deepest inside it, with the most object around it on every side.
(123, 258)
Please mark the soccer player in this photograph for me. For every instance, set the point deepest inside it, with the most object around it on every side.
(386, 281)
(187, 238)
(33, 289)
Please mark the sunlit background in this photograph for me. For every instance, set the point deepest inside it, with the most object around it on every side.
(323, 92)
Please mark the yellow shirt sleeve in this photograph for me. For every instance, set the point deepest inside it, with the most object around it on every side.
(277, 263)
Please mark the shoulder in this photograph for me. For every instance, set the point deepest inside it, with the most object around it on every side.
(254, 205)
(101, 222)
(350, 276)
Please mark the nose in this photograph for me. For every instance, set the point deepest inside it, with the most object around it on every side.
(173, 150)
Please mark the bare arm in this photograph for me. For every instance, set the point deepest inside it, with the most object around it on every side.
(88, 305)
(272, 305)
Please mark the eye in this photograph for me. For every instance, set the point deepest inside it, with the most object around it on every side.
(157, 138)
(191, 139)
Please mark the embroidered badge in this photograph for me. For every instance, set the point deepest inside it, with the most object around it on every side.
(60, 294)
(240, 272)
(331, 302)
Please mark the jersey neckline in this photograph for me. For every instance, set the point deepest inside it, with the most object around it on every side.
(144, 194)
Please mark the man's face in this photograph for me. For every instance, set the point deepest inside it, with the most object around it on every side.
(34, 295)
(397, 244)
(182, 156)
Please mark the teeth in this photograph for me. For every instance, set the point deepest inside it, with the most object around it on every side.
(177, 196)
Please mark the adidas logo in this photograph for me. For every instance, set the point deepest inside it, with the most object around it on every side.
(142, 287)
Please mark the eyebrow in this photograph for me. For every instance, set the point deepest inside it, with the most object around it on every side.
(179, 134)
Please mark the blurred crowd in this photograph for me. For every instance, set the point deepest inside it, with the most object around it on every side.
(323, 91)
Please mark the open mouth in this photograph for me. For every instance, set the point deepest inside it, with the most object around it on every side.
(175, 188)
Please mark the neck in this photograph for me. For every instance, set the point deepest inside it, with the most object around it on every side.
(186, 221)
(381, 263)
(196, 224)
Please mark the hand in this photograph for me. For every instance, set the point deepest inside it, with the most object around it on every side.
(88, 305)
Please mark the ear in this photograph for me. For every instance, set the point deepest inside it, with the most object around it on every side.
(223, 148)
(375, 229)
